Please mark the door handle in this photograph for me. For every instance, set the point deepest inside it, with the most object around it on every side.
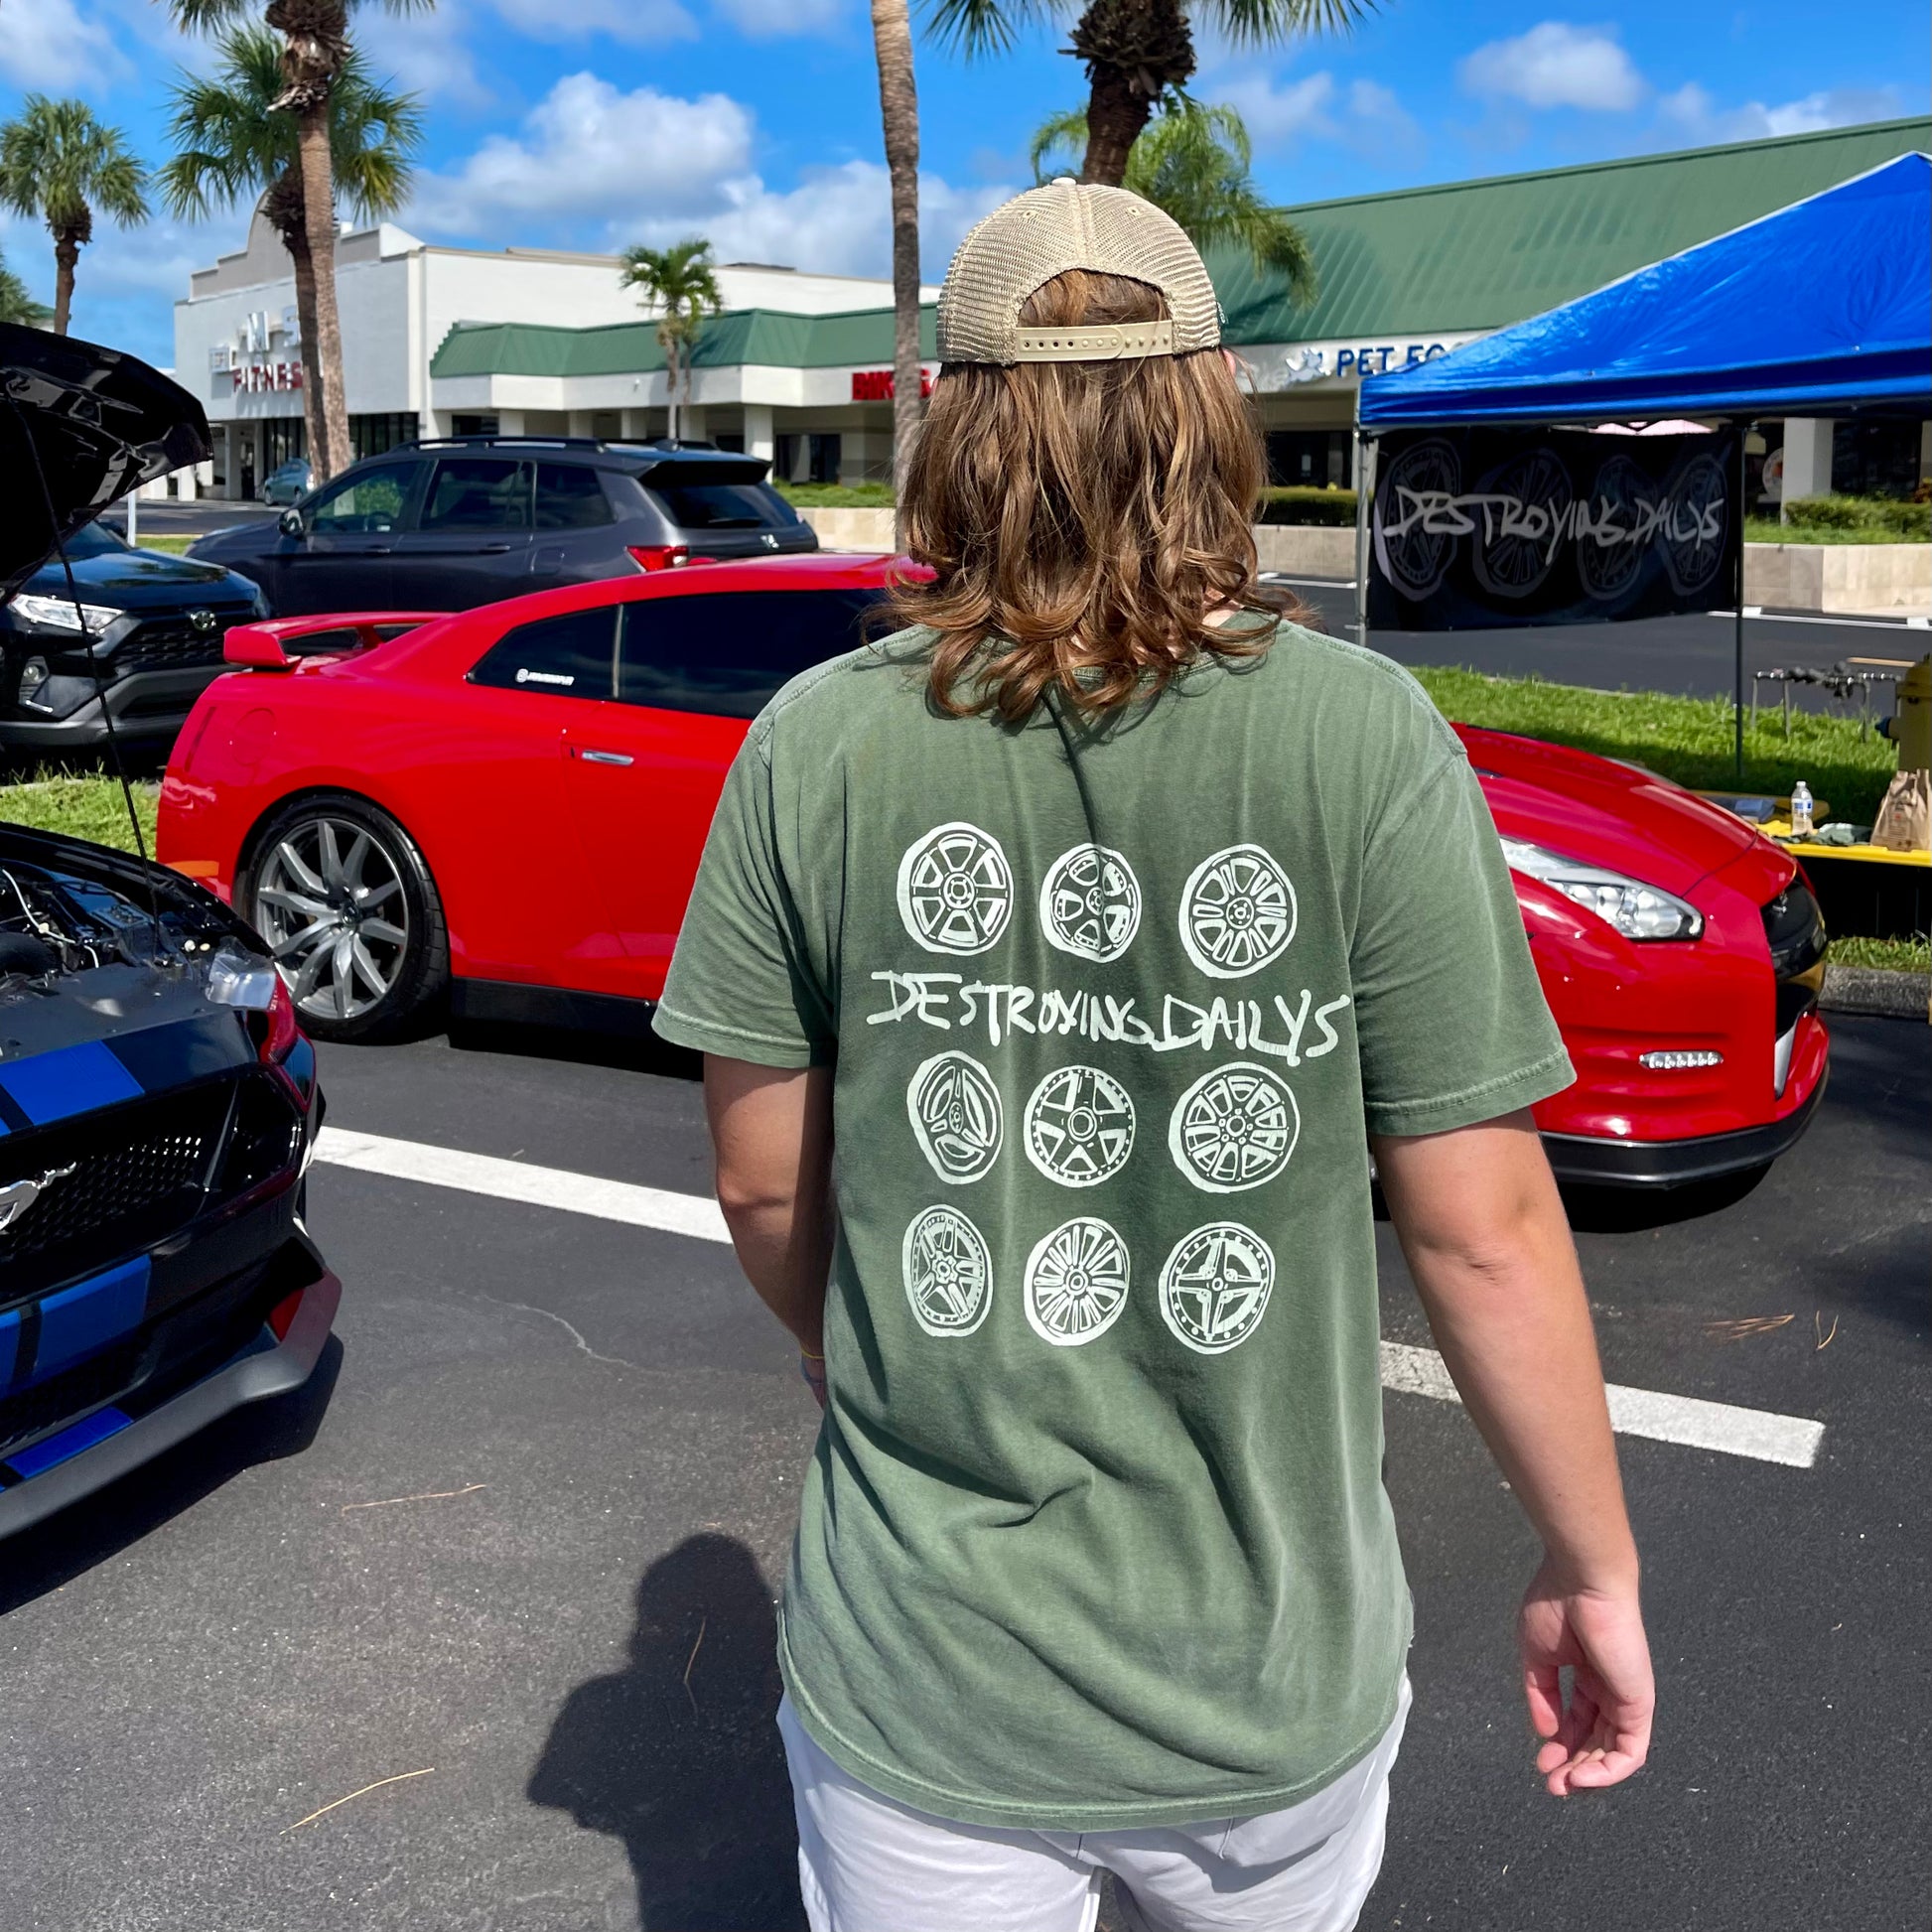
(493, 549)
(606, 757)
(379, 550)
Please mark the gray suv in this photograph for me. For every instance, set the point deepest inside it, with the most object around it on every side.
(463, 520)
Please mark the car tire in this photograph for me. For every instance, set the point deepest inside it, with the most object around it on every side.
(324, 880)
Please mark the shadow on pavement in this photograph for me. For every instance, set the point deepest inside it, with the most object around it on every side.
(643, 1053)
(678, 1754)
(55, 1552)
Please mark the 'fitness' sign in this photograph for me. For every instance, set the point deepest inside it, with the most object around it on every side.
(1478, 528)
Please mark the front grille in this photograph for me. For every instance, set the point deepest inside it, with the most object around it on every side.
(140, 1171)
(174, 645)
(1794, 929)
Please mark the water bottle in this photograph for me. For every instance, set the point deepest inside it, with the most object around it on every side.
(1801, 811)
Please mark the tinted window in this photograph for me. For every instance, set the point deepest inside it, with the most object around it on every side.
(372, 499)
(729, 653)
(570, 498)
(724, 505)
(572, 656)
(93, 540)
(479, 494)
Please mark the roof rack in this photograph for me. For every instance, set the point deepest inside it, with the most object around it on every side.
(562, 442)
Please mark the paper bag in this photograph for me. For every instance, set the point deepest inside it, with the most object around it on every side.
(1904, 822)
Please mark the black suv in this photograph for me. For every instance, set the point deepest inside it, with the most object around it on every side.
(462, 520)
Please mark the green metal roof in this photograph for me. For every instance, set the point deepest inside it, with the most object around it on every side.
(1473, 254)
(1482, 254)
(769, 336)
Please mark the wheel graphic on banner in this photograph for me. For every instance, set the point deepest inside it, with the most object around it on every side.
(1237, 912)
(1516, 540)
(1613, 540)
(1076, 1282)
(956, 1118)
(1233, 1129)
(1079, 1126)
(1413, 485)
(948, 1272)
(1216, 1286)
(1695, 526)
(1090, 903)
(956, 888)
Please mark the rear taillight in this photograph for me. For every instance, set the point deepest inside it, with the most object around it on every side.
(274, 1028)
(281, 1318)
(660, 556)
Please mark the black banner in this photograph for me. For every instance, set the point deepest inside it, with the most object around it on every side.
(1479, 529)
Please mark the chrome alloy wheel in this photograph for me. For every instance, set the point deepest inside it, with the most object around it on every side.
(331, 904)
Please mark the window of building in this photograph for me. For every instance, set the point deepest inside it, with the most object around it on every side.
(376, 435)
(807, 458)
(1312, 458)
(570, 497)
(479, 494)
(374, 500)
(571, 656)
(284, 437)
(1875, 456)
(475, 426)
(729, 653)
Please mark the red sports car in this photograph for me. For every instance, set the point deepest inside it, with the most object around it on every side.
(418, 807)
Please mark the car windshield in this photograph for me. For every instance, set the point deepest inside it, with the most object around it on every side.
(723, 506)
(93, 540)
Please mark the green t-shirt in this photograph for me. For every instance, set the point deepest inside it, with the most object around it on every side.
(1096, 1534)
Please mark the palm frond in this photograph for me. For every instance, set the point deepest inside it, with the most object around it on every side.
(1257, 23)
(58, 161)
(1063, 135)
(975, 28)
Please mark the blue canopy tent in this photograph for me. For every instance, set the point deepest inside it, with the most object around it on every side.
(1821, 308)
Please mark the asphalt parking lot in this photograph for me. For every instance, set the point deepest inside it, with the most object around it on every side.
(501, 1579)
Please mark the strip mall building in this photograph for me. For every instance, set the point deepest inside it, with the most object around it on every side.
(446, 340)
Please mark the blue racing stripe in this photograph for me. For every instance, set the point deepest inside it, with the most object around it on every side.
(69, 1442)
(69, 1080)
(90, 1315)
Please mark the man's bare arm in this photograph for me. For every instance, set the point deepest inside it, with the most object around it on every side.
(771, 1130)
(1486, 1240)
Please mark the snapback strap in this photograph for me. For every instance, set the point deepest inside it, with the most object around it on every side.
(1108, 342)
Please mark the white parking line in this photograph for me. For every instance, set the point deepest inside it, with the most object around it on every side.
(1759, 1434)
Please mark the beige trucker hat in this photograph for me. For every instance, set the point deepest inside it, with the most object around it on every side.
(1045, 232)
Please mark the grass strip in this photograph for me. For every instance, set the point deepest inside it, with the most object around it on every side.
(1884, 955)
(84, 806)
(174, 546)
(837, 497)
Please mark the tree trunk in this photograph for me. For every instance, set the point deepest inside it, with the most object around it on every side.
(67, 257)
(283, 207)
(898, 112)
(1134, 52)
(330, 417)
(671, 397)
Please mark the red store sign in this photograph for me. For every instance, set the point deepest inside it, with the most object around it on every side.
(268, 375)
(876, 386)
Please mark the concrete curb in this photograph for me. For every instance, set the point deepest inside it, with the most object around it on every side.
(1887, 996)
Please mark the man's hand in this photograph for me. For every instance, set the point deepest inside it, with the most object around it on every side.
(1604, 1734)
(1484, 1233)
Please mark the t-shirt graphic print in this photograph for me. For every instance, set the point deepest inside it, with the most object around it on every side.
(1094, 1534)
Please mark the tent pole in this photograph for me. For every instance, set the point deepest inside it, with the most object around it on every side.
(1364, 491)
(1738, 618)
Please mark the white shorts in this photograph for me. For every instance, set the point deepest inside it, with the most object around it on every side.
(868, 1863)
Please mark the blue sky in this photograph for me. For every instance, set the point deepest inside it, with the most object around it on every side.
(589, 123)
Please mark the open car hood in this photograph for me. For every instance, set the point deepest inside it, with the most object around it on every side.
(99, 422)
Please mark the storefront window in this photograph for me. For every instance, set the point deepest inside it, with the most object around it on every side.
(1876, 457)
(284, 437)
(372, 435)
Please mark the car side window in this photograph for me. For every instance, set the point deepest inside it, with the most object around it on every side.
(373, 500)
(570, 497)
(570, 656)
(474, 493)
(728, 653)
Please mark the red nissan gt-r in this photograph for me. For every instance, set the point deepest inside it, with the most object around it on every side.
(416, 808)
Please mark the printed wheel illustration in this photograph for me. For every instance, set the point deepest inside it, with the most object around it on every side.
(1079, 1126)
(954, 1108)
(948, 1272)
(1415, 490)
(1216, 1286)
(1237, 912)
(1233, 1129)
(1613, 535)
(1076, 1282)
(1090, 903)
(955, 890)
(1517, 541)
(1696, 524)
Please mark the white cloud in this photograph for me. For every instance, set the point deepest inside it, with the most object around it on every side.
(775, 19)
(47, 43)
(424, 52)
(1556, 65)
(638, 23)
(1694, 116)
(1364, 117)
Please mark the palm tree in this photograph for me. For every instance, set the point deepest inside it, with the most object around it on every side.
(1194, 159)
(16, 305)
(231, 141)
(898, 111)
(1136, 51)
(315, 51)
(682, 282)
(58, 163)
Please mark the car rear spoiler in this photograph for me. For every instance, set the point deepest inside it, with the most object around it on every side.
(280, 643)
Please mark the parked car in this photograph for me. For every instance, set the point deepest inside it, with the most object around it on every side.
(449, 524)
(152, 640)
(446, 809)
(288, 482)
(158, 1100)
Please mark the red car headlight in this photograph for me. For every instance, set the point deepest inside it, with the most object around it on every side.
(1636, 909)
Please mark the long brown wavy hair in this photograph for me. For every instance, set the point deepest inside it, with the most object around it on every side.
(1083, 519)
